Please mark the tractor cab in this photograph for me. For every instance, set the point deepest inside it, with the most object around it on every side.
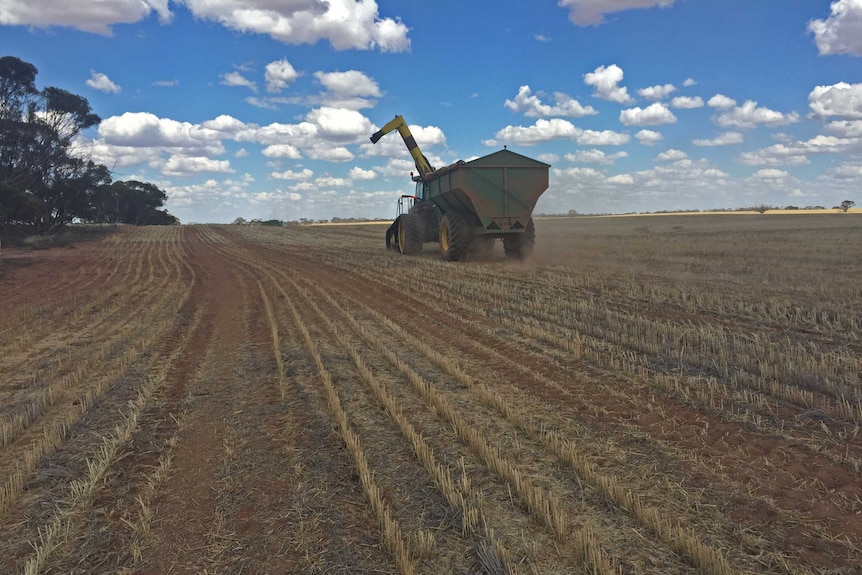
(422, 187)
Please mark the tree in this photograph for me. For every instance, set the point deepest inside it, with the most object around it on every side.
(137, 201)
(70, 191)
(18, 96)
(17, 87)
(129, 202)
(846, 205)
(41, 182)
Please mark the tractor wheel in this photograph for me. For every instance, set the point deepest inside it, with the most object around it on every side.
(392, 236)
(521, 245)
(454, 237)
(410, 234)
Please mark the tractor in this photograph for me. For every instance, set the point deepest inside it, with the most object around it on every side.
(467, 206)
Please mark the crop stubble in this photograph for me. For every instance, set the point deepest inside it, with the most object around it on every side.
(648, 394)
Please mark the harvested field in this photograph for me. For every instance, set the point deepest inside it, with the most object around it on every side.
(644, 395)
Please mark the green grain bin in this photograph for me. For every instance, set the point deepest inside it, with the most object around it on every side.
(496, 193)
(468, 205)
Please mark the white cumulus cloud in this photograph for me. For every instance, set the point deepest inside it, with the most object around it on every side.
(770, 174)
(796, 153)
(331, 182)
(393, 146)
(846, 128)
(578, 173)
(603, 138)
(96, 17)
(142, 129)
(236, 79)
(671, 155)
(624, 179)
(687, 102)
(721, 102)
(341, 125)
(657, 92)
(595, 156)
(841, 32)
(649, 137)
(725, 139)
(278, 133)
(225, 124)
(140, 137)
(842, 99)
(345, 24)
(590, 12)
(605, 81)
(777, 155)
(102, 83)
(329, 153)
(282, 151)
(349, 83)
(530, 105)
(653, 115)
(116, 156)
(279, 75)
(541, 131)
(291, 175)
(357, 173)
(187, 166)
(848, 172)
(750, 115)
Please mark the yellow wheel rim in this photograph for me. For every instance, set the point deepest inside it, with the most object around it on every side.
(444, 238)
(401, 236)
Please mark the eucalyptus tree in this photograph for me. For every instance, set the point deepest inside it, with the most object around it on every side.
(42, 182)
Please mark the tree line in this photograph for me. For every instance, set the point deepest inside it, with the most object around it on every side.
(44, 183)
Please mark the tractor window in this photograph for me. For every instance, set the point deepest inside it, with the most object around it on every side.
(422, 190)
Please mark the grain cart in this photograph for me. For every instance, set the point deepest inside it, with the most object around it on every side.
(467, 206)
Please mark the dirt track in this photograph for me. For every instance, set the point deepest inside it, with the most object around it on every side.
(226, 399)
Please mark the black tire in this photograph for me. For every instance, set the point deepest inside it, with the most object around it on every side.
(454, 237)
(521, 245)
(410, 234)
(392, 235)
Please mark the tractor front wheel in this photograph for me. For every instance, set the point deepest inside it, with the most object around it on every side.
(410, 234)
(454, 237)
(392, 235)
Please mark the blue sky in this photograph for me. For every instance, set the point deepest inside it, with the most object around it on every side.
(263, 108)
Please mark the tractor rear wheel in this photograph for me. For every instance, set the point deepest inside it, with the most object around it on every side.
(454, 237)
(521, 245)
(410, 234)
